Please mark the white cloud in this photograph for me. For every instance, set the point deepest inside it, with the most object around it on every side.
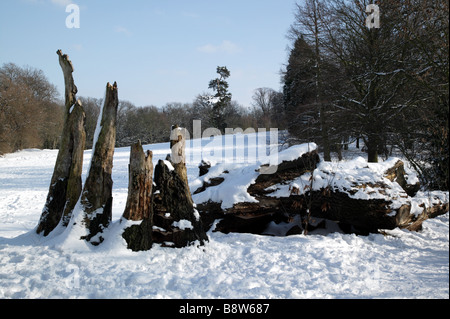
(225, 47)
(63, 3)
(123, 30)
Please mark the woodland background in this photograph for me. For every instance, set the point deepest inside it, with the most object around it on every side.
(386, 87)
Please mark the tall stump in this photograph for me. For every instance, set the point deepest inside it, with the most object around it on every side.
(96, 198)
(177, 222)
(65, 186)
(139, 201)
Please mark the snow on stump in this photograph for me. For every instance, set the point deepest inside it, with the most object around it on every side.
(96, 198)
(65, 186)
(176, 221)
(139, 202)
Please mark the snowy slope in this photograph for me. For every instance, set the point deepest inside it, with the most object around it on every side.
(401, 265)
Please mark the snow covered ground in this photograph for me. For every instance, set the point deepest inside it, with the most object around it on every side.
(401, 265)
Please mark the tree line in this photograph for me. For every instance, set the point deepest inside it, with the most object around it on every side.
(386, 86)
(31, 113)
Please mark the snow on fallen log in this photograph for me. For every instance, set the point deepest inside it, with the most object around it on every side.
(366, 197)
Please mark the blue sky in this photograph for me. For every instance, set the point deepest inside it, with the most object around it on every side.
(158, 51)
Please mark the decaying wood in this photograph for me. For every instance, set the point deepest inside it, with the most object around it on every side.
(362, 216)
(172, 206)
(397, 174)
(65, 186)
(139, 201)
(140, 182)
(178, 157)
(414, 223)
(286, 171)
(204, 168)
(253, 217)
(176, 221)
(96, 198)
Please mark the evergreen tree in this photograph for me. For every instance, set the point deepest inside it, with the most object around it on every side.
(299, 90)
(221, 99)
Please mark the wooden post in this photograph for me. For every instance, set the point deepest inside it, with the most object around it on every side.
(65, 186)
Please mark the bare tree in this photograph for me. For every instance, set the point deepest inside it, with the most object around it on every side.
(374, 62)
(263, 99)
(30, 114)
(308, 25)
(422, 132)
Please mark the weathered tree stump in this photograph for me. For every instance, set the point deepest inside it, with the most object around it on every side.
(96, 198)
(178, 157)
(65, 186)
(139, 202)
(177, 222)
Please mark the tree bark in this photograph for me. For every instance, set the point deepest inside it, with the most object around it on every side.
(397, 174)
(139, 201)
(140, 183)
(319, 85)
(178, 222)
(96, 198)
(372, 148)
(66, 184)
(178, 157)
(364, 216)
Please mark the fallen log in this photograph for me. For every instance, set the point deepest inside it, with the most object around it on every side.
(355, 195)
(247, 217)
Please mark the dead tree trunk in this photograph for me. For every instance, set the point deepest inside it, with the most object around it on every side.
(66, 185)
(177, 221)
(139, 201)
(96, 198)
(178, 157)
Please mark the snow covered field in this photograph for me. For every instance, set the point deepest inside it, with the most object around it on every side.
(401, 265)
